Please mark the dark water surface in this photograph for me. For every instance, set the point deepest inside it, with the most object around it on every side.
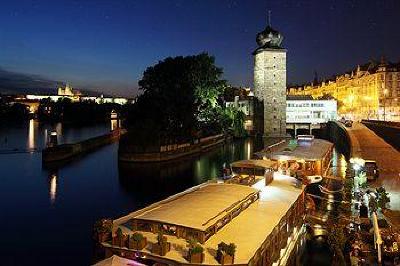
(47, 214)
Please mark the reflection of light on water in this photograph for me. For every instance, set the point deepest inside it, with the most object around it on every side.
(114, 124)
(59, 131)
(31, 134)
(46, 136)
(248, 149)
(53, 188)
(198, 169)
(214, 171)
(339, 164)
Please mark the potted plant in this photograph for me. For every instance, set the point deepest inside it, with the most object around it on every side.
(162, 246)
(226, 253)
(102, 230)
(196, 252)
(137, 241)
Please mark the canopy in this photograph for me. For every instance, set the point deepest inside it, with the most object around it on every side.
(255, 163)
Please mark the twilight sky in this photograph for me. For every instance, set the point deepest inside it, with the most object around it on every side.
(108, 44)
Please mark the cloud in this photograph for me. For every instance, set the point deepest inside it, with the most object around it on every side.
(10, 80)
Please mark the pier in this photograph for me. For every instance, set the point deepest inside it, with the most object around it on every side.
(367, 145)
(67, 151)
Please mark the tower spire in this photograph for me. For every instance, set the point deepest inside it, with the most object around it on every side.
(269, 18)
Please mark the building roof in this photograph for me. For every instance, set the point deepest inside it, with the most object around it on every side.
(118, 261)
(298, 97)
(200, 208)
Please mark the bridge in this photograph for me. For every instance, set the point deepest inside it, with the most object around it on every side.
(367, 145)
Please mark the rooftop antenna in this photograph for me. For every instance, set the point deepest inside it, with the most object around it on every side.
(269, 18)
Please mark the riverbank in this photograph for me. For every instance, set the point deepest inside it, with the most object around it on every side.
(172, 151)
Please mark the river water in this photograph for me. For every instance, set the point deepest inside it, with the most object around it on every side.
(47, 213)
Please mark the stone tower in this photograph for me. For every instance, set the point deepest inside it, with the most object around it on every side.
(270, 81)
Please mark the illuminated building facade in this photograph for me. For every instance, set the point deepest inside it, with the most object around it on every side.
(371, 91)
(307, 113)
(243, 100)
(77, 96)
(68, 91)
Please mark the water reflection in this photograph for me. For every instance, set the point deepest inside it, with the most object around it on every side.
(159, 180)
(59, 130)
(115, 123)
(31, 134)
(339, 164)
(53, 186)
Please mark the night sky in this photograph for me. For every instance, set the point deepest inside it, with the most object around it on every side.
(108, 44)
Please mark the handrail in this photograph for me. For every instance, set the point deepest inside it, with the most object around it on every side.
(377, 236)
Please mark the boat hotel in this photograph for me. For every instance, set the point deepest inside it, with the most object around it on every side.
(301, 157)
(264, 221)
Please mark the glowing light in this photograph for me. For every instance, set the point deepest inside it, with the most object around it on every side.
(114, 124)
(248, 153)
(385, 91)
(53, 188)
(31, 134)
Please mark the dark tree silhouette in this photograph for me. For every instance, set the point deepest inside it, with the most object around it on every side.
(179, 99)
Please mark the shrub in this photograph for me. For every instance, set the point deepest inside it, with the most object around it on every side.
(196, 249)
(228, 249)
(231, 249)
(137, 237)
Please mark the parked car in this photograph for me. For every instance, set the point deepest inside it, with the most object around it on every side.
(314, 179)
(348, 123)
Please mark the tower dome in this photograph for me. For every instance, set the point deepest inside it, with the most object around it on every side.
(269, 38)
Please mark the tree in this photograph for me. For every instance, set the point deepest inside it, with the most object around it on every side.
(179, 97)
(383, 197)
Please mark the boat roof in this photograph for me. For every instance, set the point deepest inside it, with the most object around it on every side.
(118, 261)
(314, 149)
(200, 208)
(248, 230)
(254, 163)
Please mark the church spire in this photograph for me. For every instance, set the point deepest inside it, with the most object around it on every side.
(269, 18)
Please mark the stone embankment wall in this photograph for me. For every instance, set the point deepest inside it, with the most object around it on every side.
(389, 131)
(337, 134)
(67, 151)
(129, 152)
